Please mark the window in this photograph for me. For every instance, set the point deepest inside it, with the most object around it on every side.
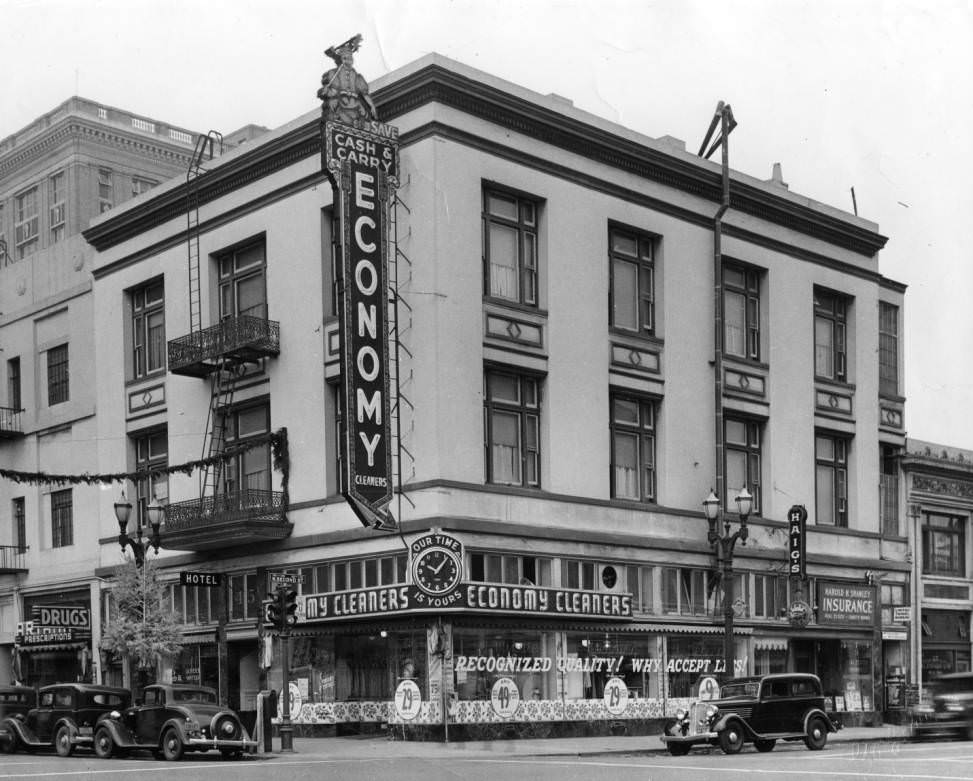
(244, 597)
(140, 186)
(888, 349)
(741, 312)
(55, 200)
(148, 329)
(106, 191)
(769, 596)
(510, 247)
(684, 591)
(14, 398)
(577, 574)
(633, 449)
(243, 288)
(742, 446)
(151, 452)
(250, 470)
(57, 375)
(26, 223)
(632, 258)
(830, 336)
(831, 479)
(888, 490)
(62, 519)
(20, 524)
(893, 595)
(4, 257)
(497, 568)
(944, 545)
(512, 426)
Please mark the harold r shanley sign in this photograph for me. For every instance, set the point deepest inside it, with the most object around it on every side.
(846, 603)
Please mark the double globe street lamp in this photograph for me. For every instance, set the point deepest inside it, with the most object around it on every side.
(139, 544)
(723, 545)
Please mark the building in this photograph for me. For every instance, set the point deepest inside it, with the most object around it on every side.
(78, 161)
(561, 413)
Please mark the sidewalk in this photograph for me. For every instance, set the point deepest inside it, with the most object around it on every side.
(381, 748)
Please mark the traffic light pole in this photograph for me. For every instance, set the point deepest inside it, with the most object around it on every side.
(286, 728)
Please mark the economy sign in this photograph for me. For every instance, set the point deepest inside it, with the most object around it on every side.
(362, 161)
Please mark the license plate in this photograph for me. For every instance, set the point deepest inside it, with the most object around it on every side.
(85, 730)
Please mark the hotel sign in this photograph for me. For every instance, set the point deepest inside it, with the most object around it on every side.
(845, 603)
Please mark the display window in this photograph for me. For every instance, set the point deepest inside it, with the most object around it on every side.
(483, 656)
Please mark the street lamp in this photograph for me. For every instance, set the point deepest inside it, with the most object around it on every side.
(723, 547)
(138, 543)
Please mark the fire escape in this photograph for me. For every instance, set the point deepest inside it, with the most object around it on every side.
(223, 516)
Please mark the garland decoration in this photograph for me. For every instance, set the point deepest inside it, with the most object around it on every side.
(278, 445)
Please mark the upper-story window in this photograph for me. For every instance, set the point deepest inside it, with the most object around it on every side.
(633, 448)
(57, 206)
(888, 349)
(831, 479)
(26, 223)
(250, 470)
(14, 395)
(243, 283)
(743, 460)
(632, 258)
(512, 411)
(20, 523)
(830, 336)
(498, 568)
(140, 185)
(741, 312)
(151, 452)
(58, 385)
(148, 328)
(62, 518)
(106, 190)
(4, 249)
(944, 545)
(510, 247)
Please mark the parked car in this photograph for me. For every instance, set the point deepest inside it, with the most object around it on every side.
(759, 710)
(63, 719)
(173, 719)
(16, 699)
(948, 710)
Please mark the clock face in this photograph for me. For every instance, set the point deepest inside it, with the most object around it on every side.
(436, 571)
(609, 577)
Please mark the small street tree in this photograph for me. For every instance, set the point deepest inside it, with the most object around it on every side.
(141, 630)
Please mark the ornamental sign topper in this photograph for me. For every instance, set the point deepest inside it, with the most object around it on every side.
(360, 155)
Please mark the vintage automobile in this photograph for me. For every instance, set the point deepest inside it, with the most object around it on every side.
(63, 718)
(948, 710)
(173, 719)
(759, 710)
(16, 699)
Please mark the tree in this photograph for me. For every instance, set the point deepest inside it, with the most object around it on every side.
(140, 629)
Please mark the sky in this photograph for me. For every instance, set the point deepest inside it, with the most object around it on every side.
(875, 95)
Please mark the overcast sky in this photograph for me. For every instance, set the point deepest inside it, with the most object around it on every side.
(866, 94)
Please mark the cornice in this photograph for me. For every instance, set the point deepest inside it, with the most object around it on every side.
(437, 84)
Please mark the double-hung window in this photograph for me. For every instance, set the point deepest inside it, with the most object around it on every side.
(62, 519)
(510, 247)
(140, 185)
(243, 283)
(57, 208)
(148, 329)
(152, 452)
(14, 398)
(632, 258)
(20, 524)
(741, 312)
(106, 190)
(830, 336)
(58, 384)
(26, 223)
(633, 448)
(250, 470)
(944, 545)
(831, 479)
(512, 411)
(742, 446)
(888, 349)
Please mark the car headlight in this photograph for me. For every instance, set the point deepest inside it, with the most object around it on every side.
(954, 707)
(114, 715)
(711, 712)
(680, 715)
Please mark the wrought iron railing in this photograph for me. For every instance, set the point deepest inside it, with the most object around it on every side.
(13, 557)
(10, 421)
(247, 505)
(234, 334)
(888, 502)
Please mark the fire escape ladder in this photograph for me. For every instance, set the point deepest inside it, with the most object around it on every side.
(207, 147)
(400, 329)
(214, 436)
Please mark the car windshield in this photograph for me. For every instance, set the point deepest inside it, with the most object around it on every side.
(747, 689)
(193, 695)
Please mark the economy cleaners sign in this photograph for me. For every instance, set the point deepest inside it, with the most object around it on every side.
(362, 162)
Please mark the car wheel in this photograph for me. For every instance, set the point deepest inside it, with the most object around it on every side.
(172, 747)
(10, 743)
(763, 746)
(679, 749)
(104, 745)
(62, 742)
(817, 734)
(731, 738)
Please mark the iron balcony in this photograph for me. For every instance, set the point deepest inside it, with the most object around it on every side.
(242, 339)
(10, 425)
(225, 520)
(13, 559)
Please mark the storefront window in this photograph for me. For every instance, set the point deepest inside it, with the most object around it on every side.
(482, 656)
(592, 659)
(845, 669)
(694, 657)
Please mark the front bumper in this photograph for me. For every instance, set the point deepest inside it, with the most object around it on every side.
(939, 725)
(699, 737)
(211, 744)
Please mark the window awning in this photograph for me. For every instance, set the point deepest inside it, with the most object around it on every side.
(770, 644)
(34, 648)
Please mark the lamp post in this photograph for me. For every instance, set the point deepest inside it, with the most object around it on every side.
(138, 543)
(723, 545)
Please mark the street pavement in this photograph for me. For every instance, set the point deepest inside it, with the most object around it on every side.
(379, 747)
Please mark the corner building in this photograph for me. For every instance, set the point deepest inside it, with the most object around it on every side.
(555, 416)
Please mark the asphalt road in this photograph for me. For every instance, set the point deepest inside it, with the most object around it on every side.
(852, 761)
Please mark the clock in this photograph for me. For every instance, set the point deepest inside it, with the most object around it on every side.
(436, 571)
(609, 577)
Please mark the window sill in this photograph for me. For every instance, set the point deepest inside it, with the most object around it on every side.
(635, 336)
(145, 378)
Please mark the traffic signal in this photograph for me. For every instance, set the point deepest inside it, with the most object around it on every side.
(290, 608)
(272, 611)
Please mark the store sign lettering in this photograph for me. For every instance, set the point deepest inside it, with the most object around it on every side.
(592, 664)
(841, 603)
(468, 596)
(797, 523)
(61, 616)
